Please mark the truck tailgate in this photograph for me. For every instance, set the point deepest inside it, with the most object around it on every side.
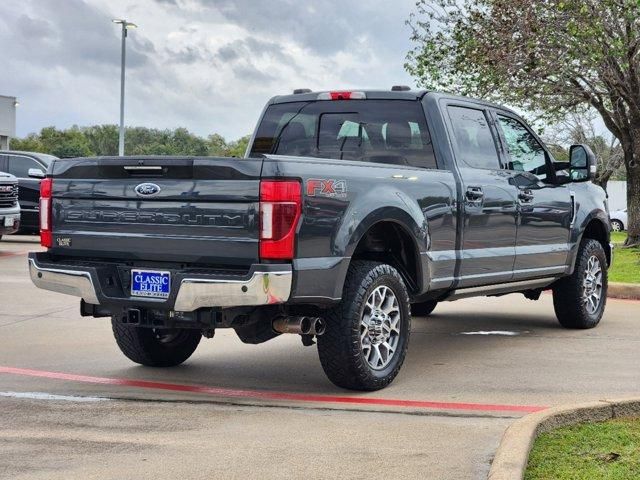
(191, 210)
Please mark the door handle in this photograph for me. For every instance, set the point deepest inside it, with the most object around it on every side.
(526, 195)
(475, 194)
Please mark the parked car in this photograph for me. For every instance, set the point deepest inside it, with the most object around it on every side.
(351, 211)
(618, 220)
(29, 168)
(9, 207)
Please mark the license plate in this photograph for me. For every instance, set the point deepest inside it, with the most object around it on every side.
(150, 283)
(8, 221)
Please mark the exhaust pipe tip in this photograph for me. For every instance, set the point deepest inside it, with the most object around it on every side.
(305, 326)
(319, 326)
(296, 325)
(300, 325)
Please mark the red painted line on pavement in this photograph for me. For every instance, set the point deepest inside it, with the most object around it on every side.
(266, 395)
(13, 254)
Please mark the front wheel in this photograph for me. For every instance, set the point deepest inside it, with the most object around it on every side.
(579, 299)
(367, 334)
(155, 347)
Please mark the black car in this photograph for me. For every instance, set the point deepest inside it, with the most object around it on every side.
(29, 168)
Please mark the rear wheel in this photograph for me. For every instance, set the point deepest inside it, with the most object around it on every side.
(617, 226)
(367, 334)
(423, 309)
(155, 347)
(579, 299)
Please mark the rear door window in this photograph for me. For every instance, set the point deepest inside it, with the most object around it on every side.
(474, 142)
(382, 131)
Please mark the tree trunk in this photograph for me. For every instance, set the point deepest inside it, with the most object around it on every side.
(632, 163)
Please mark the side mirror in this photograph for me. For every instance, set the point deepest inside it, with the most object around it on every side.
(35, 173)
(583, 163)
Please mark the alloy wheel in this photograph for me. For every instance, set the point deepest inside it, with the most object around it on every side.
(592, 285)
(380, 327)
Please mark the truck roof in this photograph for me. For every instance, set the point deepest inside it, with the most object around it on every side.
(406, 94)
(309, 96)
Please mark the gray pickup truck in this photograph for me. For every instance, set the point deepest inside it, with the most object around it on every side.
(350, 211)
(9, 207)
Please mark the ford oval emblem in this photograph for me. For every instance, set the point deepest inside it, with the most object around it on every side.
(147, 189)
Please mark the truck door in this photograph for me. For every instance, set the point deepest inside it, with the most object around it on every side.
(489, 200)
(545, 207)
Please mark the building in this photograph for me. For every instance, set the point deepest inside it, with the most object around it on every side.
(7, 120)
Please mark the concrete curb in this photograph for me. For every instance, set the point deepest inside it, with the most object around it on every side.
(510, 461)
(630, 291)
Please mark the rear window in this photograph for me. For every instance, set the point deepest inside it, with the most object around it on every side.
(382, 131)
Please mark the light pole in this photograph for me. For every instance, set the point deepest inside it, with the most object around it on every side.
(125, 26)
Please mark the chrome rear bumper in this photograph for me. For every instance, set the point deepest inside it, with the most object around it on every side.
(262, 288)
(264, 285)
(69, 282)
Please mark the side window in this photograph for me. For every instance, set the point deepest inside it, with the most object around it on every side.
(474, 140)
(413, 139)
(526, 153)
(19, 166)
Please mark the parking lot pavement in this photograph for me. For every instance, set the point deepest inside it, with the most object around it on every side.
(268, 411)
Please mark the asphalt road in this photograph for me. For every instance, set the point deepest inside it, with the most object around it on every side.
(71, 406)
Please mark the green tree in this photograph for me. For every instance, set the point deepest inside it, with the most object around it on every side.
(31, 143)
(554, 57)
(102, 140)
(65, 143)
(217, 145)
(238, 147)
(580, 128)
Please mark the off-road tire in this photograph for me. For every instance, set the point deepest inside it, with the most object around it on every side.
(423, 309)
(568, 293)
(340, 349)
(143, 345)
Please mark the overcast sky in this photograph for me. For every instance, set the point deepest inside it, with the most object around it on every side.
(207, 65)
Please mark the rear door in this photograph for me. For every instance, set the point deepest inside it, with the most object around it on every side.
(545, 207)
(488, 198)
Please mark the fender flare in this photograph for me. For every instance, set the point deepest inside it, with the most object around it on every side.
(408, 224)
(578, 233)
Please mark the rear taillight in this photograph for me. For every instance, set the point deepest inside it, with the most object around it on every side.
(280, 210)
(46, 236)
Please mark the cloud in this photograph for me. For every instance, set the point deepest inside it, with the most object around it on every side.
(207, 65)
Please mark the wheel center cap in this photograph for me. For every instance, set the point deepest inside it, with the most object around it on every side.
(375, 328)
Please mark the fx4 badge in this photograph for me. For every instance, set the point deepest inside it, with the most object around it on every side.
(326, 187)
